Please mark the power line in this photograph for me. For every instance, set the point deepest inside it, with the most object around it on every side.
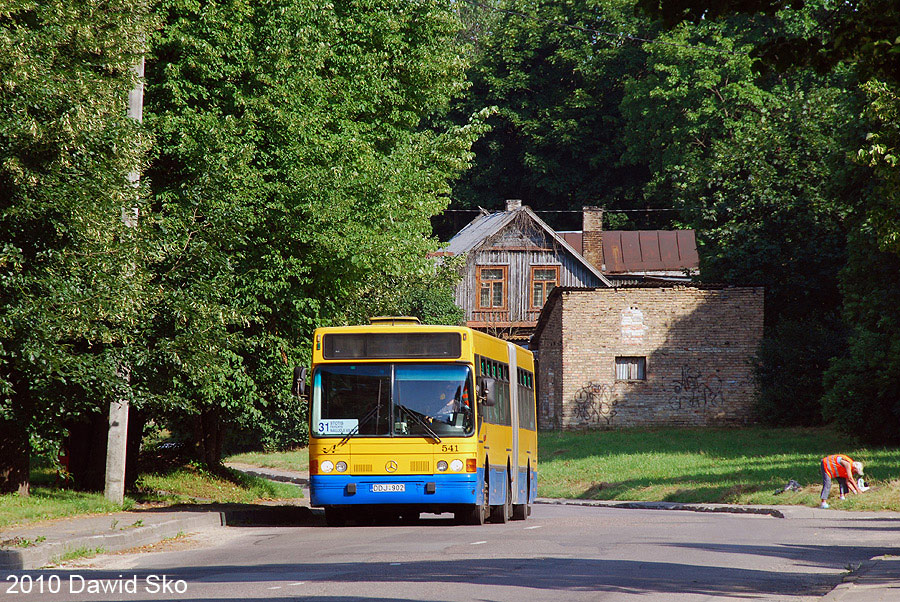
(606, 34)
(569, 210)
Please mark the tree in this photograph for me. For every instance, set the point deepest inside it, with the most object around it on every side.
(863, 384)
(69, 279)
(295, 179)
(555, 71)
(859, 37)
(758, 166)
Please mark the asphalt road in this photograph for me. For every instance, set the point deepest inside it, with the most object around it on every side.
(560, 553)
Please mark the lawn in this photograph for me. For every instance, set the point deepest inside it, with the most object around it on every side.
(190, 484)
(736, 466)
(176, 485)
(730, 466)
(47, 502)
(297, 459)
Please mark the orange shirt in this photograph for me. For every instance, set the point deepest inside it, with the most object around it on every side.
(834, 468)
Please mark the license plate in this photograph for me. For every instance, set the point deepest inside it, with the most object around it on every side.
(388, 487)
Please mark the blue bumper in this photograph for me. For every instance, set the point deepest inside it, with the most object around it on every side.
(339, 490)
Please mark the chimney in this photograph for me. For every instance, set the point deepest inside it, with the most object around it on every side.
(592, 236)
(513, 204)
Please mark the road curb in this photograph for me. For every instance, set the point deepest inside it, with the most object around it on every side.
(761, 510)
(873, 581)
(47, 553)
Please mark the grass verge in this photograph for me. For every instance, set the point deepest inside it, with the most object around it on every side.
(190, 484)
(46, 503)
(181, 484)
(734, 466)
(297, 459)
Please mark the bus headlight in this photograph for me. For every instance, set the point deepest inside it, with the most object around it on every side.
(341, 466)
(442, 466)
(456, 465)
(326, 466)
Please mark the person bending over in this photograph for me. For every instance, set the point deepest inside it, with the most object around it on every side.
(841, 468)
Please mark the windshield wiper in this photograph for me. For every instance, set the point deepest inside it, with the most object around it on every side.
(365, 419)
(421, 421)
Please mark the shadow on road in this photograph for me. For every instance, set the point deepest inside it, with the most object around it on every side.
(551, 575)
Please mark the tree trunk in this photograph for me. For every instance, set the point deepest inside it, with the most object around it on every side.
(136, 421)
(209, 435)
(86, 445)
(15, 445)
(15, 457)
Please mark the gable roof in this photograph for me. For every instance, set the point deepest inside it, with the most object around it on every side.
(483, 227)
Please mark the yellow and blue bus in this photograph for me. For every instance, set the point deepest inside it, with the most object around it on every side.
(407, 418)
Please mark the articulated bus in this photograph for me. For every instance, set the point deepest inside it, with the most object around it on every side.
(406, 418)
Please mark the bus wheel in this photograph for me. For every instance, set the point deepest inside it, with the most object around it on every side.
(503, 512)
(476, 514)
(522, 511)
(335, 517)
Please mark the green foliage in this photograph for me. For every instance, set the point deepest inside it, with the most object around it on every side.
(882, 154)
(864, 384)
(792, 359)
(295, 181)
(859, 37)
(431, 297)
(762, 183)
(70, 279)
(859, 32)
(555, 139)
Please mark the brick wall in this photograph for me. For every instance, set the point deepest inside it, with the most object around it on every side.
(697, 346)
(549, 371)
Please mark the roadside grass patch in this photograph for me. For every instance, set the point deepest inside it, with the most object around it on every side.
(191, 483)
(296, 459)
(46, 503)
(176, 485)
(79, 553)
(736, 466)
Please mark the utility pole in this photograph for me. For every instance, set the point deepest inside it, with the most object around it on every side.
(117, 437)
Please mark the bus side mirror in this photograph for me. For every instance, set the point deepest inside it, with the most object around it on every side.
(486, 391)
(298, 387)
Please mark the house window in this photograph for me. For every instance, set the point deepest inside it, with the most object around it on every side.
(631, 368)
(543, 279)
(492, 287)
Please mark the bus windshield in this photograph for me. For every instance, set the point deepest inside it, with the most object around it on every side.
(393, 400)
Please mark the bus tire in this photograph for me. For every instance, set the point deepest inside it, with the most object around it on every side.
(476, 514)
(523, 511)
(503, 512)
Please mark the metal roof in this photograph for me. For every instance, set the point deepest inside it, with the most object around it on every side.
(479, 230)
(643, 251)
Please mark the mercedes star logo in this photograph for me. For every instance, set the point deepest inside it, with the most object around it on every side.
(391, 466)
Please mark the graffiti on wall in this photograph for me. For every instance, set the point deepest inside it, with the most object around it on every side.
(594, 404)
(695, 391)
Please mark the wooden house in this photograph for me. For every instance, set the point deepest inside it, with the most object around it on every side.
(513, 261)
